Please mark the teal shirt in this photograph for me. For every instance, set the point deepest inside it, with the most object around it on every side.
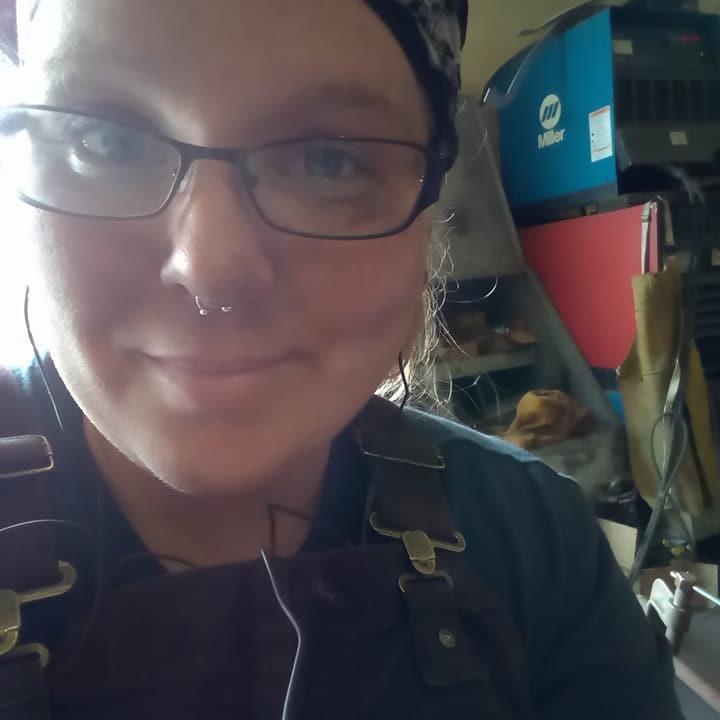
(532, 536)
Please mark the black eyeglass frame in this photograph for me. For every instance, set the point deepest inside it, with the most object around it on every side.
(436, 165)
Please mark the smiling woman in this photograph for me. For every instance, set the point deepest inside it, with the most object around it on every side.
(226, 208)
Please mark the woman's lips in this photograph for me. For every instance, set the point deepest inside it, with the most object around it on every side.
(201, 365)
(201, 381)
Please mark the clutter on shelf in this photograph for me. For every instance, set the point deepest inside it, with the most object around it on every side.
(472, 334)
(546, 417)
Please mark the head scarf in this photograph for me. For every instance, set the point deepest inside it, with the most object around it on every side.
(432, 34)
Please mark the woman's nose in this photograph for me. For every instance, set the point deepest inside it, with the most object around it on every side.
(218, 251)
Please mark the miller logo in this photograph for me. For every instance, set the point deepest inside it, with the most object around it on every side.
(550, 114)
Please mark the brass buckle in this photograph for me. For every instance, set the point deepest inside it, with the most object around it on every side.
(419, 546)
(38, 470)
(420, 551)
(31, 649)
(11, 616)
(436, 463)
(410, 578)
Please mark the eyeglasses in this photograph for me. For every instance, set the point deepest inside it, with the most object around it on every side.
(339, 188)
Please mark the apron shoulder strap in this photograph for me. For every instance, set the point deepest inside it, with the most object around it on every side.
(406, 474)
(27, 558)
(29, 568)
(405, 471)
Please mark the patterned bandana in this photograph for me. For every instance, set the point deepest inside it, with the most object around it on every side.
(432, 34)
(443, 31)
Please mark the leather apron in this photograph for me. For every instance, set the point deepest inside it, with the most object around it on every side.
(401, 628)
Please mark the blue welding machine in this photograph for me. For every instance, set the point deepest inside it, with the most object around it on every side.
(606, 105)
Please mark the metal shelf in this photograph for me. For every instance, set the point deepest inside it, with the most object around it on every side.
(473, 366)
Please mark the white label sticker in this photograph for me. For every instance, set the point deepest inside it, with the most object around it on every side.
(623, 47)
(715, 257)
(601, 140)
(679, 137)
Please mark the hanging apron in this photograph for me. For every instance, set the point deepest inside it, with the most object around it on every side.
(646, 379)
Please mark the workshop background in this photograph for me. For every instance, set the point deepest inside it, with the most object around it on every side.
(554, 307)
(578, 279)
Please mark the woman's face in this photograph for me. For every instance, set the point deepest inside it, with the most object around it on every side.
(316, 324)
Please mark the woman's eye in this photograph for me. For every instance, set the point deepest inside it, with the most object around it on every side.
(114, 144)
(330, 163)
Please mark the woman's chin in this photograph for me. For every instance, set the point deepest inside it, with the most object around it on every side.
(210, 479)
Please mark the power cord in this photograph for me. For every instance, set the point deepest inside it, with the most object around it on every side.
(555, 26)
(667, 476)
(290, 692)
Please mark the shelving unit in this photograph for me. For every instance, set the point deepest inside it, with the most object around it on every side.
(448, 370)
(487, 260)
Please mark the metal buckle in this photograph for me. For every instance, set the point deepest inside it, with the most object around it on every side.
(364, 443)
(420, 551)
(50, 465)
(419, 546)
(31, 649)
(11, 603)
(410, 578)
